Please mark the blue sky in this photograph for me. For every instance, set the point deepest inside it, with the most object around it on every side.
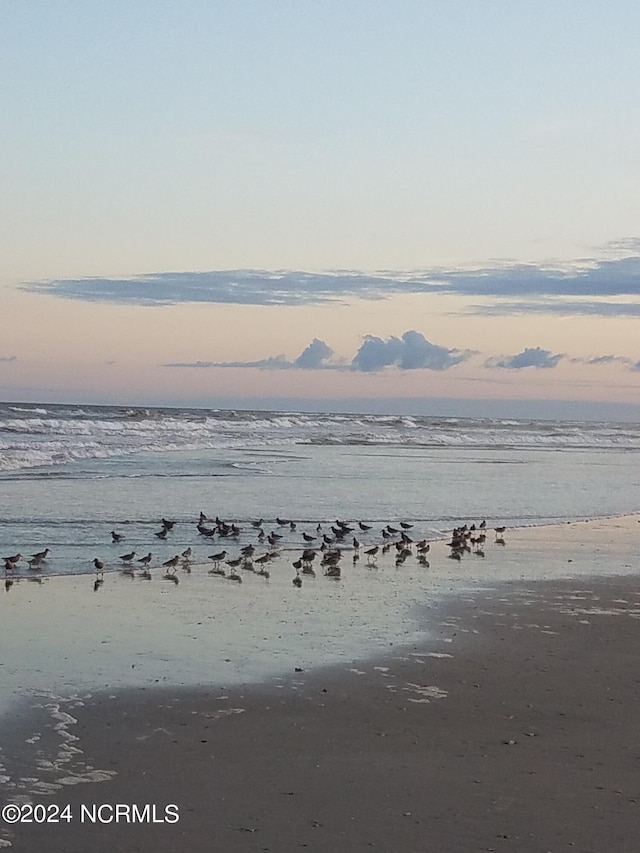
(444, 196)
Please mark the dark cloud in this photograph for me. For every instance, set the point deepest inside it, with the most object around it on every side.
(7, 358)
(529, 357)
(410, 352)
(534, 286)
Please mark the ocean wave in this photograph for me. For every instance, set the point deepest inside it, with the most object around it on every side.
(38, 437)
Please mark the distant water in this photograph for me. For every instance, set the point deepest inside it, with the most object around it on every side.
(70, 475)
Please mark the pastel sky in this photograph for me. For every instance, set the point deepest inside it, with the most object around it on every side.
(427, 204)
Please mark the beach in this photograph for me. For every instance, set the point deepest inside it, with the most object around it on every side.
(508, 723)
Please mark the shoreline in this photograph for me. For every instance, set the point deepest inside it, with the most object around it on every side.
(513, 728)
(63, 636)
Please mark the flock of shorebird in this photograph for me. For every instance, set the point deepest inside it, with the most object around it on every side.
(323, 548)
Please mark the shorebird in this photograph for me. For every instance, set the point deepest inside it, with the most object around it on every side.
(127, 558)
(405, 525)
(172, 563)
(499, 530)
(308, 537)
(116, 537)
(36, 560)
(168, 525)
(364, 527)
(41, 555)
(308, 556)
(372, 554)
(99, 580)
(217, 558)
(186, 555)
(12, 561)
(401, 555)
(145, 560)
(162, 534)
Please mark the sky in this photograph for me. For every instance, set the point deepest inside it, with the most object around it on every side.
(418, 205)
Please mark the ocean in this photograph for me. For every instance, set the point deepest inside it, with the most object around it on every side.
(70, 475)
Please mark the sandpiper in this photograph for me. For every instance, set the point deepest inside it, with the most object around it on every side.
(217, 558)
(41, 555)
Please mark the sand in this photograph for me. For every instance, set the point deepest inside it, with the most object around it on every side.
(511, 726)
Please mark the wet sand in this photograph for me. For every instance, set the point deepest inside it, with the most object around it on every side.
(512, 726)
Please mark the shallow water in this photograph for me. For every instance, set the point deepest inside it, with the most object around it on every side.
(72, 509)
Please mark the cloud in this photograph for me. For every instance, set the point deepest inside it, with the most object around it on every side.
(237, 287)
(278, 362)
(604, 359)
(315, 356)
(600, 308)
(529, 357)
(584, 285)
(411, 351)
(7, 358)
